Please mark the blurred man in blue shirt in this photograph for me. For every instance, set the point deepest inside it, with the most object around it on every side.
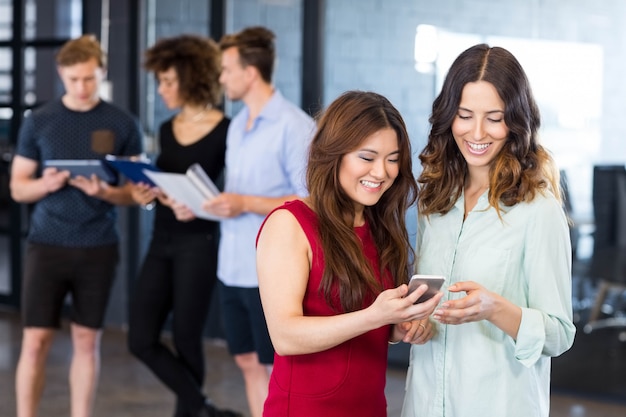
(266, 152)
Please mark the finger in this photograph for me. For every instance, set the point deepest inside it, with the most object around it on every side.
(404, 326)
(411, 332)
(420, 333)
(392, 293)
(463, 286)
(459, 303)
(423, 310)
(454, 315)
(415, 295)
(427, 335)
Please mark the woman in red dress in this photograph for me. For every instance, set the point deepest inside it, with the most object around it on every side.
(333, 267)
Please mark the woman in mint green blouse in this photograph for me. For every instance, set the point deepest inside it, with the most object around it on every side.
(491, 221)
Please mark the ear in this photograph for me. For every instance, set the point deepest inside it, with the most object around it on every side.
(252, 73)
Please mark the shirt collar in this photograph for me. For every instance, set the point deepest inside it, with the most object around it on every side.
(481, 205)
(271, 110)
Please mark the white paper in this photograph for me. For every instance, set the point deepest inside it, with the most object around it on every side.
(202, 181)
(182, 189)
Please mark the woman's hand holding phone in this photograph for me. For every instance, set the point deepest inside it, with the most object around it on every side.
(434, 283)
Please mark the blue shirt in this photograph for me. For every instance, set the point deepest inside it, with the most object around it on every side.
(69, 217)
(475, 369)
(268, 160)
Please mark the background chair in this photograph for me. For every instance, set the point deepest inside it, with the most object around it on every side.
(608, 261)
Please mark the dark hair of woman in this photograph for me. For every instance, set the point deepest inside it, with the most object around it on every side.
(344, 125)
(522, 168)
(196, 61)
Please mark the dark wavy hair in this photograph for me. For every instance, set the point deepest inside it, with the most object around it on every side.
(521, 169)
(197, 63)
(345, 124)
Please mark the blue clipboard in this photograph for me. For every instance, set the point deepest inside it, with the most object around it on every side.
(133, 170)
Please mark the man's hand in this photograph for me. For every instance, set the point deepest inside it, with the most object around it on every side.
(225, 205)
(93, 187)
(54, 179)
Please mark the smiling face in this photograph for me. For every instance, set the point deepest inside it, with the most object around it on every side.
(368, 171)
(478, 128)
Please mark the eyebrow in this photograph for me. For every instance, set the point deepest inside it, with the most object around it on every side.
(376, 152)
(489, 112)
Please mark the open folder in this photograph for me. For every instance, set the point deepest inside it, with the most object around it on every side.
(191, 188)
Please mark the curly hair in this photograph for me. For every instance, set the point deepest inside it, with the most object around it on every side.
(520, 170)
(345, 124)
(79, 50)
(195, 59)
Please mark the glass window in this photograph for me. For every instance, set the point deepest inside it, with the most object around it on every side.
(6, 65)
(41, 82)
(6, 20)
(66, 21)
(6, 114)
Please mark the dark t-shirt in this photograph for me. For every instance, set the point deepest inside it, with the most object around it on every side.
(209, 152)
(69, 217)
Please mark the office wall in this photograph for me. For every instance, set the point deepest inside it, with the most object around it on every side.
(166, 18)
(369, 45)
(284, 18)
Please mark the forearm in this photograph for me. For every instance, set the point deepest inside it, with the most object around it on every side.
(264, 205)
(28, 191)
(307, 334)
(506, 316)
(117, 195)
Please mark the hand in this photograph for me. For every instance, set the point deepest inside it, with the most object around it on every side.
(477, 305)
(225, 205)
(93, 187)
(416, 332)
(394, 306)
(53, 179)
(143, 194)
(181, 211)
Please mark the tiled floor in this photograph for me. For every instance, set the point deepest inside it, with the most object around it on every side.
(127, 389)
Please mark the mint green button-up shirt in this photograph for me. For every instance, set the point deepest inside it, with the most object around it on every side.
(475, 369)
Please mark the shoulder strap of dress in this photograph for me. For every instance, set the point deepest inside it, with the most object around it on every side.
(304, 215)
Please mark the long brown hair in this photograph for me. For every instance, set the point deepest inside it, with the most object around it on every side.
(521, 169)
(345, 124)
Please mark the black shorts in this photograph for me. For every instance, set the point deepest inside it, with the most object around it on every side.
(244, 322)
(53, 272)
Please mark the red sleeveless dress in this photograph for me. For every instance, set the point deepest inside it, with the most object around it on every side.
(347, 380)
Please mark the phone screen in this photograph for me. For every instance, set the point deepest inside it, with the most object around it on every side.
(434, 283)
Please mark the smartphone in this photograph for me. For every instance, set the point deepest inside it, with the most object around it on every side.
(434, 283)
